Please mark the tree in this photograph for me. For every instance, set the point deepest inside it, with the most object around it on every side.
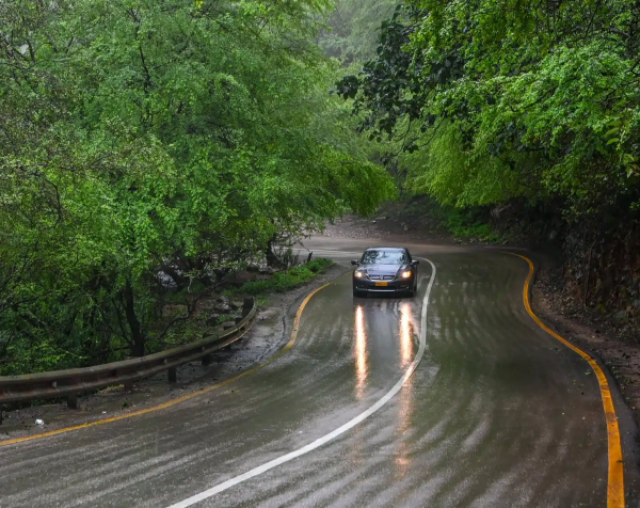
(140, 136)
(506, 100)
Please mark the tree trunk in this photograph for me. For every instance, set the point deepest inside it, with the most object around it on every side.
(137, 337)
(272, 259)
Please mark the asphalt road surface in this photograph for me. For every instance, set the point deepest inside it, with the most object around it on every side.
(381, 402)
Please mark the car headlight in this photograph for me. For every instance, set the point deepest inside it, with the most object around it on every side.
(359, 275)
(406, 275)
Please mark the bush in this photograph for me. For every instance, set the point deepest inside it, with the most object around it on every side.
(463, 225)
(284, 281)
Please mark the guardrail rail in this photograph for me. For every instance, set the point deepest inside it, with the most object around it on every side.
(73, 382)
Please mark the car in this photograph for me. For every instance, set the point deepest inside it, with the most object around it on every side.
(385, 270)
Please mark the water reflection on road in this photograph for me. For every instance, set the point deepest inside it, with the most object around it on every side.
(361, 353)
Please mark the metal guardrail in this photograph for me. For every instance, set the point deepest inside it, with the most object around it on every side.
(73, 382)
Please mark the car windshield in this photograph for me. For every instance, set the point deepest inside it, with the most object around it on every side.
(384, 257)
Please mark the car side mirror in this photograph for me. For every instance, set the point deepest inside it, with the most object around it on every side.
(354, 262)
(415, 262)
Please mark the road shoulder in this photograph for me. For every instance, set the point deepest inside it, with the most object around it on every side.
(268, 335)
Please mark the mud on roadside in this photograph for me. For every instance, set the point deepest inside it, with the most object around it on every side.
(598, 335)
(268, 334)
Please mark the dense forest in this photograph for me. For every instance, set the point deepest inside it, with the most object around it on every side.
(528, 109)
(148, 136)
(503, 100)
(188, 137)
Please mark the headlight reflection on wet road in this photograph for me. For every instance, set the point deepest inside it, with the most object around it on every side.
(361, 353)
(406, 337)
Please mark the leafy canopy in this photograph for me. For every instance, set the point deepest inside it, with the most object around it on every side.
(501, 100)
(140, 136)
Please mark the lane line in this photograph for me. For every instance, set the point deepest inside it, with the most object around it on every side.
(615, 485)
(173, 402)
(337, 432)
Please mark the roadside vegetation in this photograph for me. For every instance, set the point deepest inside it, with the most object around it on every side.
(522, 115)
(499, 101)
(149, 150)
(284, 281)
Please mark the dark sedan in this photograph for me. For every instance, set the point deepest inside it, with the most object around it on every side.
(385, 270)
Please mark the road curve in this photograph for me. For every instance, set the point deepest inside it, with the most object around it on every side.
(497, 414)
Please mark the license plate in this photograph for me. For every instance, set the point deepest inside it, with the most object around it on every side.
(382, 284)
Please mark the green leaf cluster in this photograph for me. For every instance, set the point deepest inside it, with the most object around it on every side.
(141, 139)
(508, 100)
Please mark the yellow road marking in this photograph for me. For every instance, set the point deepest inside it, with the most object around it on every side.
(615, 486)
(173, 402)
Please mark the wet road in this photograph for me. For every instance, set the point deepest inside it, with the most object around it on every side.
(496, 414)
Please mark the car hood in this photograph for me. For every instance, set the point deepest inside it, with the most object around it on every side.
(381, 269)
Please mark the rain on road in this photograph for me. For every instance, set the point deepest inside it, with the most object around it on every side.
(496, 414)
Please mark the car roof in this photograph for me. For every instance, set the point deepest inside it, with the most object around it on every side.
(386, 248)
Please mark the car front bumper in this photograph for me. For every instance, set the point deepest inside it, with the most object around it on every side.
(392, 286)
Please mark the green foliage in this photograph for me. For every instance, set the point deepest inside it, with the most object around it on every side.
(502, 100)
(462, 225)
(140, 137)
(284, 281)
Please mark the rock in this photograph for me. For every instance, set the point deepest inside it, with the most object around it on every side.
(406, 227)
(166, 280)
(222, 306)
(39, 422)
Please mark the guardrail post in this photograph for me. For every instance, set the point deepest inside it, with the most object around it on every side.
(173, 375)
(309, 256)
(72, 401)
(247, 306)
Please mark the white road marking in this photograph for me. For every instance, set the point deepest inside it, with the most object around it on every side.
(337, 432)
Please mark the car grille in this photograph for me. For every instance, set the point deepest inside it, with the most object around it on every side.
(381, 277)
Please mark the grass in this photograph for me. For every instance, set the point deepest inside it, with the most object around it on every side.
(284, 281)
